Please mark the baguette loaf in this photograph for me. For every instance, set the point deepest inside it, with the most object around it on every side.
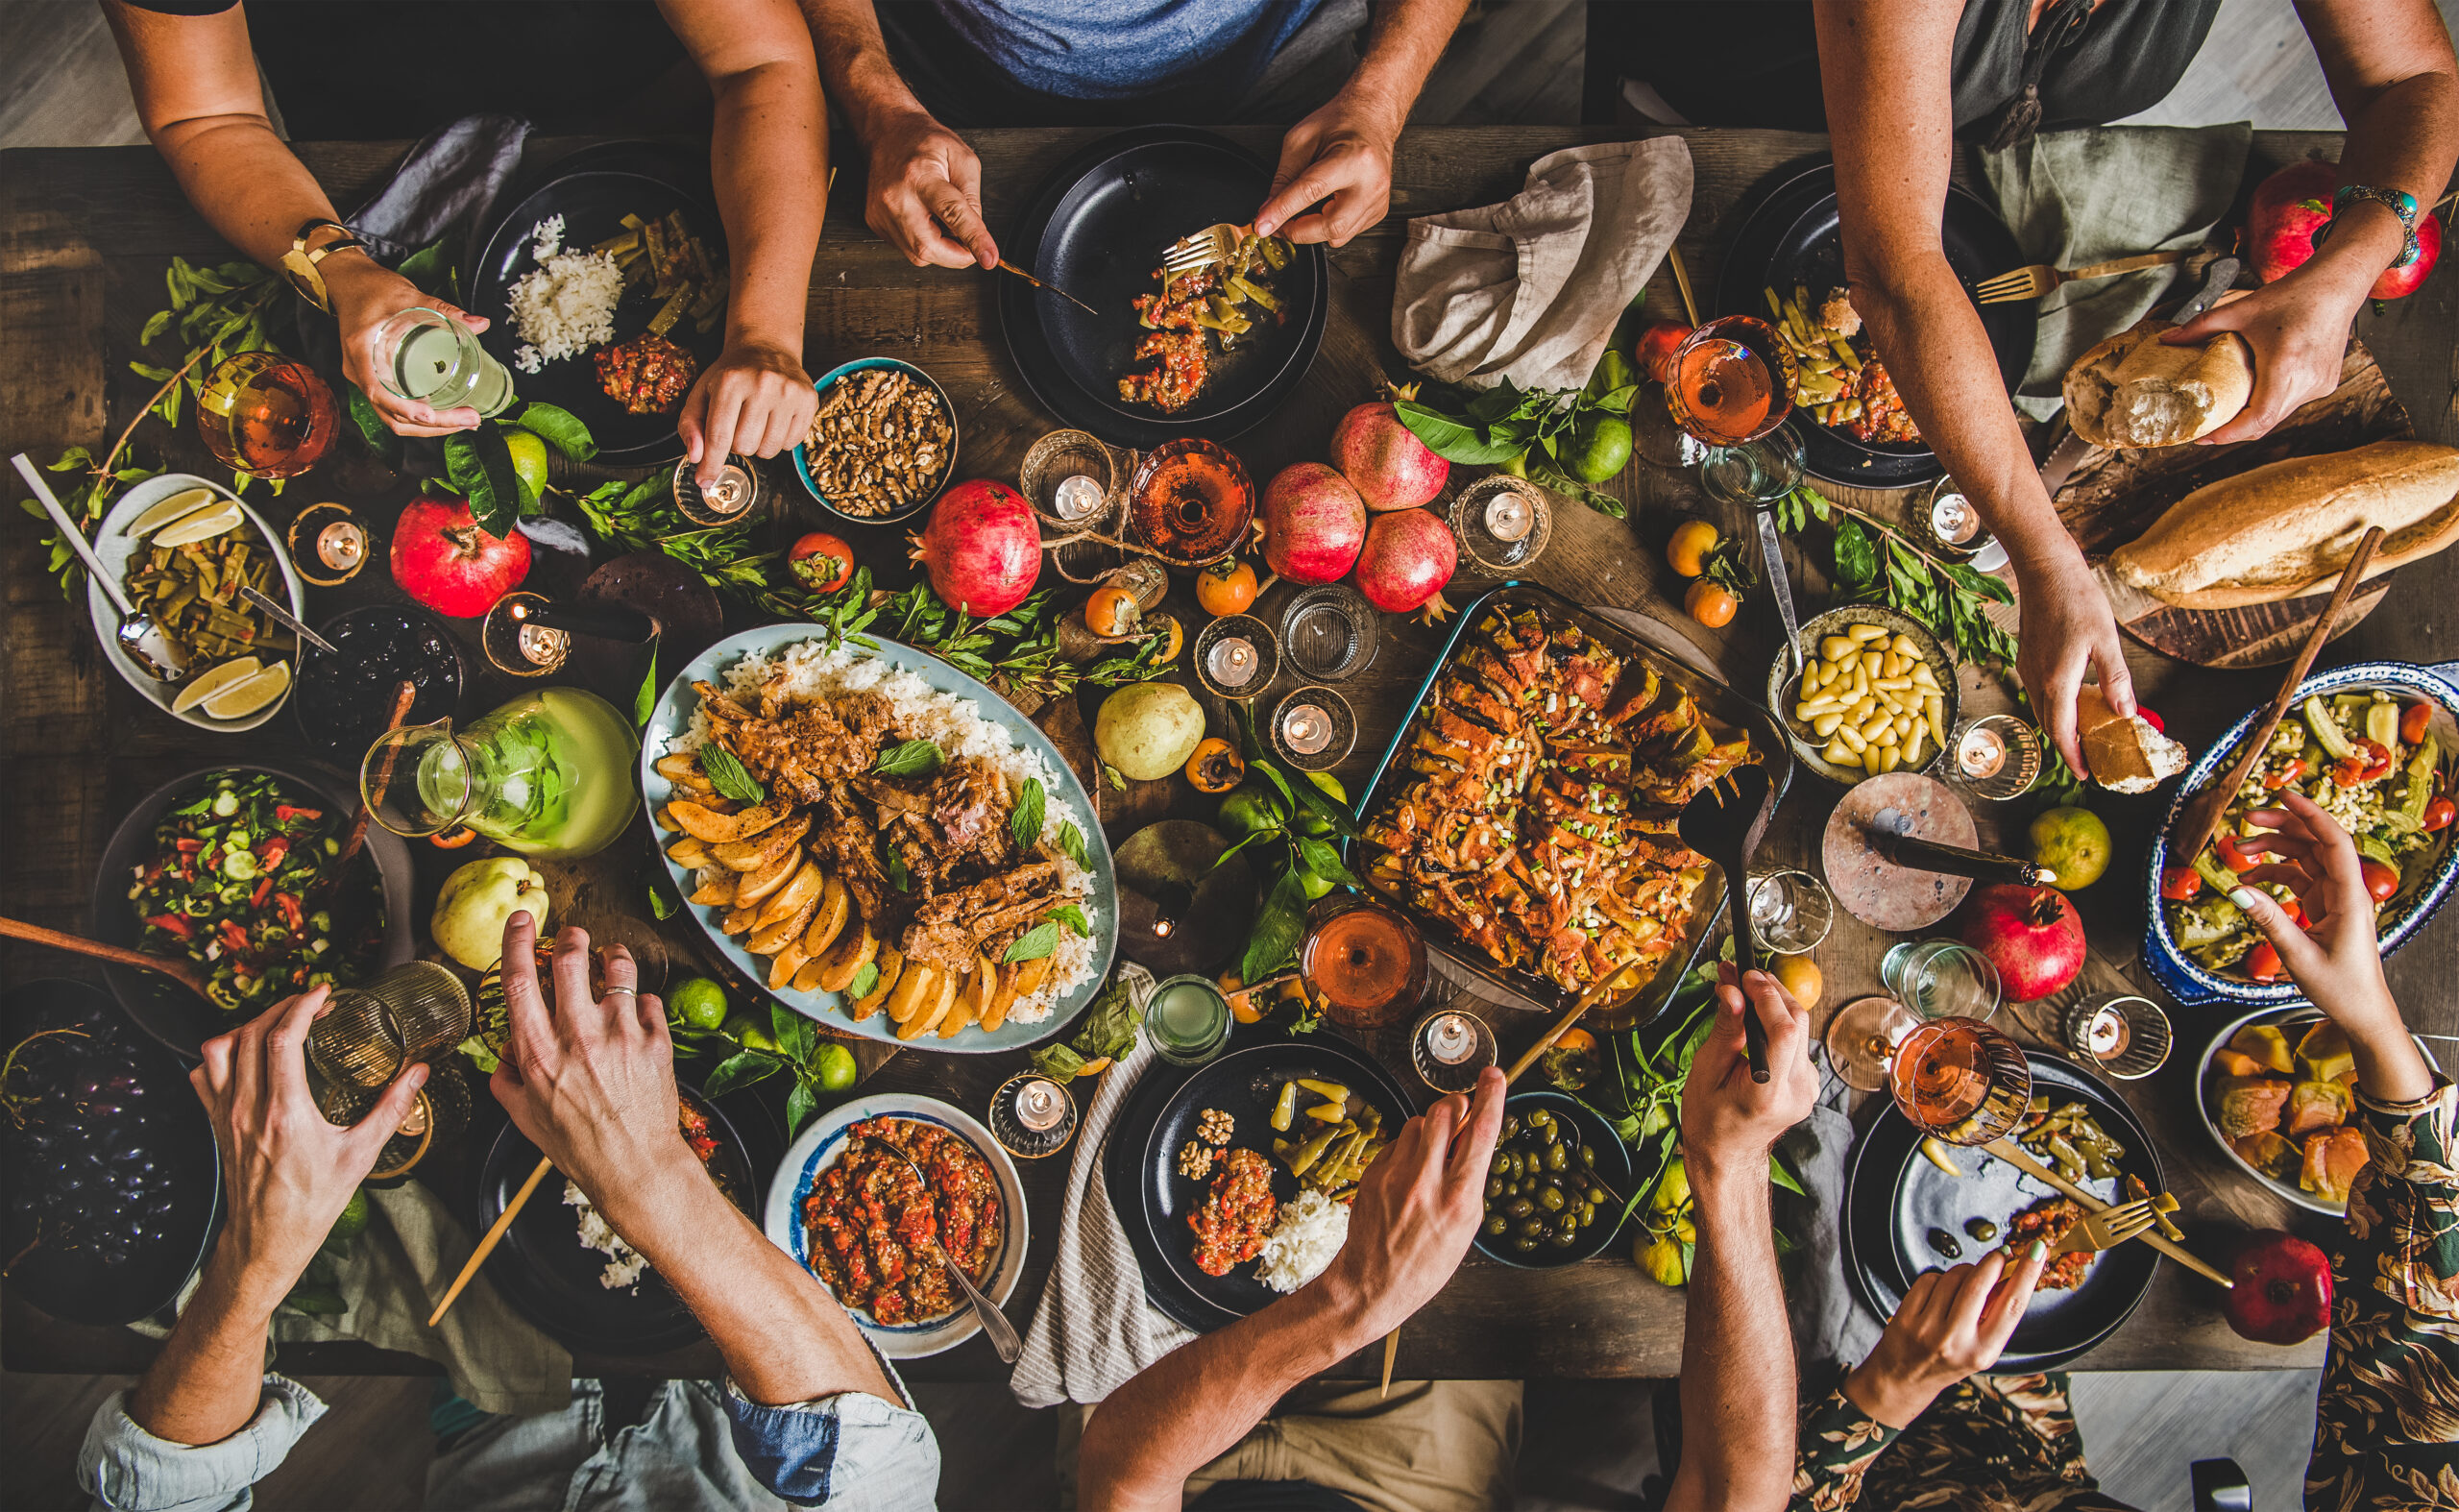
(2287, 528)
(2133, 391)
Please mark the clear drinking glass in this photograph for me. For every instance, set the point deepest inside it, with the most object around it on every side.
(415, 1011)
(1756, 471)
(1790, 912)
(1940, 979)
(1329, 633)
(1187, 1019)
(427, 355)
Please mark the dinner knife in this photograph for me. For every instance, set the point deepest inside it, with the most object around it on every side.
(2071, 448)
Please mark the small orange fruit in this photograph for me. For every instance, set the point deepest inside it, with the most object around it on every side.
(1576, 1039)
(1688, 550)
(1110, 611)
(1712, 603)
(1656, 347)
(1800, 976)
(1226, 587)
(1174, 637)
(1243, 1006)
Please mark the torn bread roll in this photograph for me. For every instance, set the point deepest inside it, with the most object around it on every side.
(2133, 391)
(2124, 753)
(2288, 528)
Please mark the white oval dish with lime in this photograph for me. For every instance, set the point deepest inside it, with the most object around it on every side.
(171, 512)
(1067, 917)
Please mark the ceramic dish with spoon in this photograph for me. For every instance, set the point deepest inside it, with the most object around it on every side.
(1784, 684)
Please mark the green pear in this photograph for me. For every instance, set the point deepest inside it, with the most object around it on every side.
(478, 900)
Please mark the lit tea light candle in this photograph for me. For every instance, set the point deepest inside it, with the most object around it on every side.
(1306, 729)
(342, 545)
(1982, 753)
(419, 1118)
(1953, 520)
(1451, 1037)
(732, 492)
(1078, 498)
(2107, 1034)
(1509, 517)
(1232, 662)
(1041, 1105)
(544, 645)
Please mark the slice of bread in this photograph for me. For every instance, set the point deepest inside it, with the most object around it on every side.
(2132, 390)
(2123, 751)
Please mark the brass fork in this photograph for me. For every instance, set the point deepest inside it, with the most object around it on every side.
(2031, 282)
(2106, 1231)
(1211, 245)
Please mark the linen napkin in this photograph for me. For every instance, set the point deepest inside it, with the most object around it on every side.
(1830, 1323)
(2077, 198)
(1094, 1328)
(1529, 289)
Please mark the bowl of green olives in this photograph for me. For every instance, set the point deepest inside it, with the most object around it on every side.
(1556, 1187)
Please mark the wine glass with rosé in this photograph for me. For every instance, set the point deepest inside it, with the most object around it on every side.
(1731, 381)
(1956, 1078)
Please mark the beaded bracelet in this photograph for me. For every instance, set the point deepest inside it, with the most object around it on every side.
(2399, 202)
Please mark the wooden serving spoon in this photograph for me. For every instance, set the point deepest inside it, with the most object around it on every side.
(183, 972)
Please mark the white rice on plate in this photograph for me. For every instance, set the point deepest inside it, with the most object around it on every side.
(1310, 1231)
(566, 305)
(957, 726)
(624, 1264)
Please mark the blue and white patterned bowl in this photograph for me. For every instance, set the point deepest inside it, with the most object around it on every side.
(819, 1148)
(2424, 888)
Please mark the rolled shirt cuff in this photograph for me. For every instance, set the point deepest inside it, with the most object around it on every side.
(125, 1469)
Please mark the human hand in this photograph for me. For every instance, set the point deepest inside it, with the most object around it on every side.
(1950, 1323)
(1342, 154)
(2337, 956)
(2067, 630)
(1417, 1210)
(1730, 1122)
(755, 399)
(286, 1172)
(925, 194)
(2297, 328)
(590, 1083)
(365, 294)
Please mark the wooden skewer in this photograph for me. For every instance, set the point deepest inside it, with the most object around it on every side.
(1391, 1353)
(493, 1236)
(1562, 1025)
(182, 972)
(2015, 1155)
(1682, 282)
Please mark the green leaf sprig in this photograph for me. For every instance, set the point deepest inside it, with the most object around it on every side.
(1529, 428)
(910, 759)
(1025, 820)
(727, 774)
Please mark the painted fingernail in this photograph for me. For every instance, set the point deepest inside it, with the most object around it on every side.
(2038, 1252)
(2243, 897)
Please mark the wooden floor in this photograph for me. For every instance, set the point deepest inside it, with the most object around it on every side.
(1514, 62)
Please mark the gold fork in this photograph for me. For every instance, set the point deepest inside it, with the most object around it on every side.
(2031, 282)
(2108, 1229)
(1211, 245)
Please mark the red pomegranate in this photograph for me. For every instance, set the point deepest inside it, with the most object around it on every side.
(1409, 556)
(2400, 283)
(2031, 935)
(1313, 524)
(982, 548)
(2283, 213)
(2283, 1291)
(1390, 467)
(443, 558)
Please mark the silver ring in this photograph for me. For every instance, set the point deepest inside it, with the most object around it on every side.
(627, 991)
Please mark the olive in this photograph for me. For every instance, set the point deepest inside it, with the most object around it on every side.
(1532, 1229)
(1494, 1187)
(1588, 1155)
(1524, 1244)
(1519, 1208)
(1558, 1158)
(1595, 1195)
(1510, 1126)
(1497, 1225)
(1550, 1199)
(1563, 1242)
(1587, 1214)
(1541, 1118)
(1981, 1229)
(1945, 1244)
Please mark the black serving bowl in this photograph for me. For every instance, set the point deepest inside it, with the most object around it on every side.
(342, 703)
(1612, 1168)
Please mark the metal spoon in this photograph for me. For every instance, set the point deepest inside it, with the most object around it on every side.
(282, 616)
(994, 1322)
(145, 641)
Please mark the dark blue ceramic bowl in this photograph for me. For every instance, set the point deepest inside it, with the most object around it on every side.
(2427, 882)
(1612, 1166)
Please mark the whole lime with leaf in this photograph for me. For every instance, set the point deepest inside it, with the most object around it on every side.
(528, 456)
(353, 1221)
(1600, 447)
(698, 1004)
(1252, 810)
(835, 1069)
(748, 1030)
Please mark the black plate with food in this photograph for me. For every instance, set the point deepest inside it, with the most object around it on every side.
(1590, 1180)
(1146, 1149)
(369, 928)
(1631, 708)
(1904, 1215)
(1794, 240)
(593, 204)
(1097, 227)
(114, 1188)
(548, 1270)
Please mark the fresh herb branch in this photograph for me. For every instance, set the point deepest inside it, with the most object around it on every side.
(1527, 431)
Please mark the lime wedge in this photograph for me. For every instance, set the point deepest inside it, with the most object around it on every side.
(206, 684)
(178, 505)
(250, 693)
(203, 525)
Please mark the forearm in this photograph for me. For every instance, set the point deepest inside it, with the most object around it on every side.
(769, 151)
(1190, 1406)
(206, 1383)
(854, 68)
(2389, 1066)
(1737, 1351)
(1403, 41)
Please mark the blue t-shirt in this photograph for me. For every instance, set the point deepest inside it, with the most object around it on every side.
(1123, 49)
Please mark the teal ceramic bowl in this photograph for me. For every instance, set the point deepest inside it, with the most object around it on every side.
(947, 469)
(673, 715)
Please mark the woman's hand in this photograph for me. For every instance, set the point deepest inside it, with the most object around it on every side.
(1341, 155)
(365, 294)
(286, 1173)
(1950, 1323)
(925, 194)
(754, 398)
(2298, 328)
(2067, 630)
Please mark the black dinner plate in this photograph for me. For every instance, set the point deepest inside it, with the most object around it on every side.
(551, 1278)
(1097, 227)
(593, 203)
(1793, 236)
(72, 1284)
(1152, 1201)
(1894, 1197)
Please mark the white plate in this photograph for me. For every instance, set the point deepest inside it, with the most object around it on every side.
(819, 1148)
(2298, 1016)
(114, 546)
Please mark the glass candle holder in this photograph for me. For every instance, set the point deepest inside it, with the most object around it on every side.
(1954, 527)
(1071, 477)
(1502, 522)
(1236, 657)
(1449, 1047)
(1313, 729)
(1329, 633)
(517, 646)
(735, 500)
(1995, 757)
(2120, 1036)
(328, 545)
(1032, 1116)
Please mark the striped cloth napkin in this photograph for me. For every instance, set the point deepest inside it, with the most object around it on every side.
(1094, 1329)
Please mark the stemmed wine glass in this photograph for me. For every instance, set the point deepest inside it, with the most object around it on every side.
(1948, 1071)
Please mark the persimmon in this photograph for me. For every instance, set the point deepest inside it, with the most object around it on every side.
(1688, 550)
(1712, 603)
(1227, 587)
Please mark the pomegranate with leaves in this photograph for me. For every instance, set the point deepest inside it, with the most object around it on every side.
(1390, 467)
(982, 548)
(1409, 556)
(446, 560)
(2031, 935)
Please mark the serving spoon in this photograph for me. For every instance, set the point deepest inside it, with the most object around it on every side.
(145, 641)
(1724, 822)
(183, 972)
(994, 1322)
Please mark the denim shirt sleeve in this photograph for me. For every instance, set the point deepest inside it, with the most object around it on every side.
(125, 1469)
(849, 1453)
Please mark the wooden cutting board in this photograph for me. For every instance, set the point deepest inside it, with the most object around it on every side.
(2114, 495)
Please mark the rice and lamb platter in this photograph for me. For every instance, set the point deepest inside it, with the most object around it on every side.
(880, 841)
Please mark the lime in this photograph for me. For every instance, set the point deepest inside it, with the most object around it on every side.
(837, 1068)
(353, 1221)
(698, 1004)
(1660, 1261)
(1252, 810)
(2074, 843)
(1600, 448)
(1307, 821)
(1614, 370)
(1515, 465)
(528, 456)
(750, 1032)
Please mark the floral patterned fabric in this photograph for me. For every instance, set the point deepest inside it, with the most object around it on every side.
(2386, 1431)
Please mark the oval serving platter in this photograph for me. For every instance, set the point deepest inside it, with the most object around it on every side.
(673, 715)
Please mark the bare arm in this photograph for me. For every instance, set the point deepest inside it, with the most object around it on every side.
(924, 194)
(1885, 66)
(1342, 154)
(1415, 1212)
(768, 157)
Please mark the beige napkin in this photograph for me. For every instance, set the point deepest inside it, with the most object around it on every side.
(1529, 289)
(1094, 1329)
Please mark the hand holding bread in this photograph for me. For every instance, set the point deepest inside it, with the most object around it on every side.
(2136, 390)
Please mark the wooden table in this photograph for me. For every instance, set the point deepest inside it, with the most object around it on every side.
(84, 239)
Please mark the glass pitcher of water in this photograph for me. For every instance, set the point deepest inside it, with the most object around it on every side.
(547, 774)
